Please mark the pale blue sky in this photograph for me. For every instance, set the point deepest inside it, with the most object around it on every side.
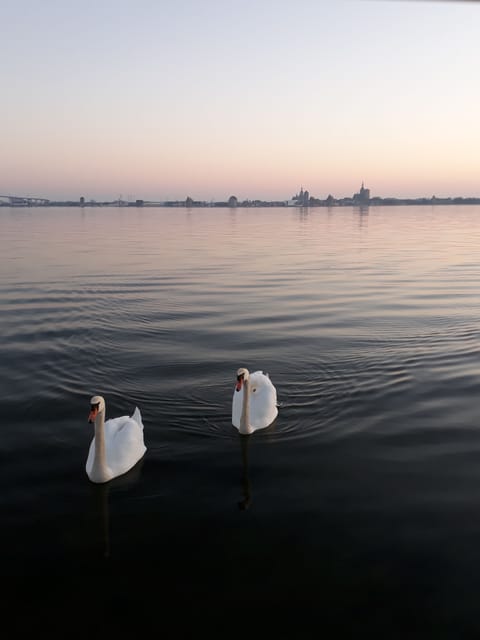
(163, 99)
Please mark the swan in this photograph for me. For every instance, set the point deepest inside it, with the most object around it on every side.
(117, 444)
(254, 404)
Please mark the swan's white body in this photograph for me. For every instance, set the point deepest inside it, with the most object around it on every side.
(117, 445)
(254, 404)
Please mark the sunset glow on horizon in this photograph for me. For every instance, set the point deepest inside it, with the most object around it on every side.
(167, 100)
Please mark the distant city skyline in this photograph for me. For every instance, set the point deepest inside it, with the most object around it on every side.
(164, 100)
(303, 197)
(325, 193)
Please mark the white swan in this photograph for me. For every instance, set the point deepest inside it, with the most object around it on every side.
(254, 404)
(117, 445)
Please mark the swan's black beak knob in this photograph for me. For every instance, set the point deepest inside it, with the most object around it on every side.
(239, 384)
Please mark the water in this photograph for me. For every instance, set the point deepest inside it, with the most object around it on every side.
(358, 510)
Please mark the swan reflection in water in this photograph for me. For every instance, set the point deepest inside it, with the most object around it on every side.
(100, 498)
(244, 504)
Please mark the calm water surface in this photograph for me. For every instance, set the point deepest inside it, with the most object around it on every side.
(357, 511)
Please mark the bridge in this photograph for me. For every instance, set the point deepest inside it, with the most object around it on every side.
(21, 201)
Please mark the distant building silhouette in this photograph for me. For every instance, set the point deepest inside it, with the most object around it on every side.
(362, 197)
(301, 199)
(233, 201)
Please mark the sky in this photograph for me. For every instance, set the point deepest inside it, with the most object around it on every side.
(164, 99)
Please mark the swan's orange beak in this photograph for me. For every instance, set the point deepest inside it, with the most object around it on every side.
(92, 415)
(238, 386)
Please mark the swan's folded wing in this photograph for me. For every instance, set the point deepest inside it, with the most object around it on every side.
(263, 406)
(125, 446)
(263, 400)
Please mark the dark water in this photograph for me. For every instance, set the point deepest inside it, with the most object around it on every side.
(358, 511)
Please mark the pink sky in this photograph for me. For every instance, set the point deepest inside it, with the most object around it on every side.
(155, 102)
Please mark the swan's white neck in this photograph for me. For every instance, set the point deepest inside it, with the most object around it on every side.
(245, 426)
(100, 470)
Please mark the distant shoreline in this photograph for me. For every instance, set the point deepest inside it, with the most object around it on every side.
(313, 202)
